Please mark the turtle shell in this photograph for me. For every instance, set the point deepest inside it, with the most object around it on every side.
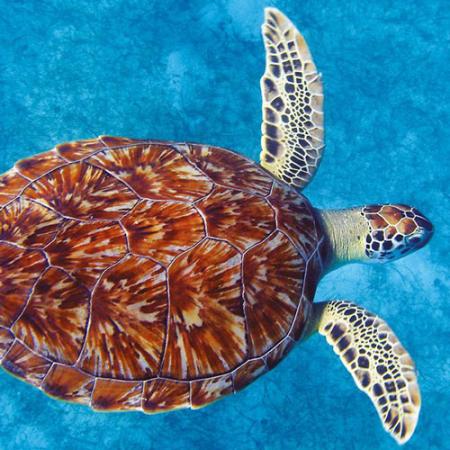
(150, 275)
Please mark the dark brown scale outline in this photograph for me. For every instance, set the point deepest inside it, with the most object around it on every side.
(92, 391)
(22, 175)
(149, 258)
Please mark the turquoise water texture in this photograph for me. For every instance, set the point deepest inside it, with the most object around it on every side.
(189, 70)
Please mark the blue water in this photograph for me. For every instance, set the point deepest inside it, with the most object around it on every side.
(189, 70)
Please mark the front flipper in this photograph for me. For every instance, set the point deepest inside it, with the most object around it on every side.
(379, 364)
(292, 127)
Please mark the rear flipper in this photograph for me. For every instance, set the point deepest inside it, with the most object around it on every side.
(379, 364)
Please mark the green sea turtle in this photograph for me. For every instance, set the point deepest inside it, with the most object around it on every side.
(146, 275)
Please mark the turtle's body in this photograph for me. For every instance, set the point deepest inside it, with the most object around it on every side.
(108, 296)
(145, 275)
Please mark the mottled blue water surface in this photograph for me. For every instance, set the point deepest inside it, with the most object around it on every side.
(189, 70)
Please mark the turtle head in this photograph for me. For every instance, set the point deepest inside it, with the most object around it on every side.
(374, 233)
(394, 231)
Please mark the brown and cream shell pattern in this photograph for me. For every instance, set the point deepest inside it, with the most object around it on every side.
(143, 275)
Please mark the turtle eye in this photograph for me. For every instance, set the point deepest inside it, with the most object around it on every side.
(395, 231)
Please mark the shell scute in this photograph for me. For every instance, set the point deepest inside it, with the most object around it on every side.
(206, 332)
(164, 395)
(273, 274)
(54, 320)
(28, 224)
(158, 229)
(6, 339)
(39, 165)
(312, 276)
(118, 141)
(279, 352)
(242, 219)
(83, 192)
(248, 372)
(155, 171)
(5, 199)
(82, 149)
(68, 383)
(294, 217)
(207, 391)
(303, 314)
(114, 395)
(19, 270)
(25, 364)
(230, 169)
(128, 321)
(11, 185)
(76, 150)
(85, 250)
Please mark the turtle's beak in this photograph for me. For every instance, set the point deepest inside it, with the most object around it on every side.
(422, 234)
